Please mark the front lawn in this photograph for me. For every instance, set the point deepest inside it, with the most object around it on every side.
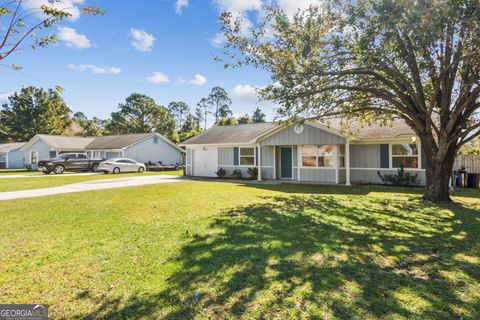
(27, 183)
(212, 250)
(7, 172)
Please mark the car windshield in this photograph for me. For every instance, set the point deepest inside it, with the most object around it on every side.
(62, 156)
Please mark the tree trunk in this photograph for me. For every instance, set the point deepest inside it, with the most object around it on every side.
(438, 171)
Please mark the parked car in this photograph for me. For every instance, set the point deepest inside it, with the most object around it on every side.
(78, 162)
(118, 165)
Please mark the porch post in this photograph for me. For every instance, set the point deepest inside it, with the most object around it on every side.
(259, 160)
(6, 160)
(274, 162)
(347, 164)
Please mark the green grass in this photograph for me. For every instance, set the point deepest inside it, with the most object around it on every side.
(211, 250)
(7, 172)
(27, 183)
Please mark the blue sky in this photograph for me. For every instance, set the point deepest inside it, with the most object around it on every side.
(162, 48)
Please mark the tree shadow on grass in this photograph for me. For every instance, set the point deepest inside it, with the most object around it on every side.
(322, 257)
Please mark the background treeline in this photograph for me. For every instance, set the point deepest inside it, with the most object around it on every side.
(35, 110)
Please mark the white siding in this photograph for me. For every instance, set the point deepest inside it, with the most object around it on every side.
(41, 147)
(149, 151)
(318, 175)
(267, 156)
(310, 135)
(225, 156)
(365, 156)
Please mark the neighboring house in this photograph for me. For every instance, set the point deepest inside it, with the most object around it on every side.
(12, 155)
(142, 147)
(312, 152)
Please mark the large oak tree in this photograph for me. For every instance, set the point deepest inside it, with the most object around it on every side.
(375, 59)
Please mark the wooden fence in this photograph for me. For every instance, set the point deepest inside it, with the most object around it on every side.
(471, 163)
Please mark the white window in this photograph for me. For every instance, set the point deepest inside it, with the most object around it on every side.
(405, 155)
(33, 157)
(341, 156)
(247, 156)
(318, 156)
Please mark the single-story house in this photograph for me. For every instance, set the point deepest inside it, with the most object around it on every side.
(312, 152)
(12, 155)
(142, 147)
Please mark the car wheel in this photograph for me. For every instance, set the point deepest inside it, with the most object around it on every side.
(59, 169)
(95, 167)
(116, 170)
(141, 169)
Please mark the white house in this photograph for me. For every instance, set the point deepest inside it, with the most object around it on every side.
(312, 152)
(12, 155)
(142, 147)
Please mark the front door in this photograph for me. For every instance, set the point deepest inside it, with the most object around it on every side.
(286, 162)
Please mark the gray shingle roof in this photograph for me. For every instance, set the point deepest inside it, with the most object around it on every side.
(360, 131)
(245, 133)
(240, 133)
(7, 147)
(117, 141)
(66, 143)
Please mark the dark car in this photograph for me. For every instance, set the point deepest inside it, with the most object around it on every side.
(78, 162)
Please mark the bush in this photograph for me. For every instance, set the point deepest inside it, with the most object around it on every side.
(401, 178)
(221, 173)
(237, 174)
(253, 173)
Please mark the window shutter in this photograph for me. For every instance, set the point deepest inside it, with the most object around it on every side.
(235, 156)
(384, 156)
(256, 156)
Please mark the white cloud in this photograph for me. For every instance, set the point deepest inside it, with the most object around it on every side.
(158, 78)
(198, 80)
(292, 6)
(72, 38)
(239, 6)
(141, 40)
(4, 96)
(245, 99)
(95, 69)
(70, 6)
(218, 40)
(180, 5)
(245, 93)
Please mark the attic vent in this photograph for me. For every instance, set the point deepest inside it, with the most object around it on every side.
(155, 139)
(298, 129)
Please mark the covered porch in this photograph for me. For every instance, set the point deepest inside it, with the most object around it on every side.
(305, 163)
(304, 153)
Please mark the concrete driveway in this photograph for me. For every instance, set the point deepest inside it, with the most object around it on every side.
(90, 186)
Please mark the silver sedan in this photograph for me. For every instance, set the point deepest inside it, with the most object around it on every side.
(118, 165)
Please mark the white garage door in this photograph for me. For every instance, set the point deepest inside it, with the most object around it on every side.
(205, 162)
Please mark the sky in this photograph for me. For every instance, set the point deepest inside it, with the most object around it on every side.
(162, 48)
